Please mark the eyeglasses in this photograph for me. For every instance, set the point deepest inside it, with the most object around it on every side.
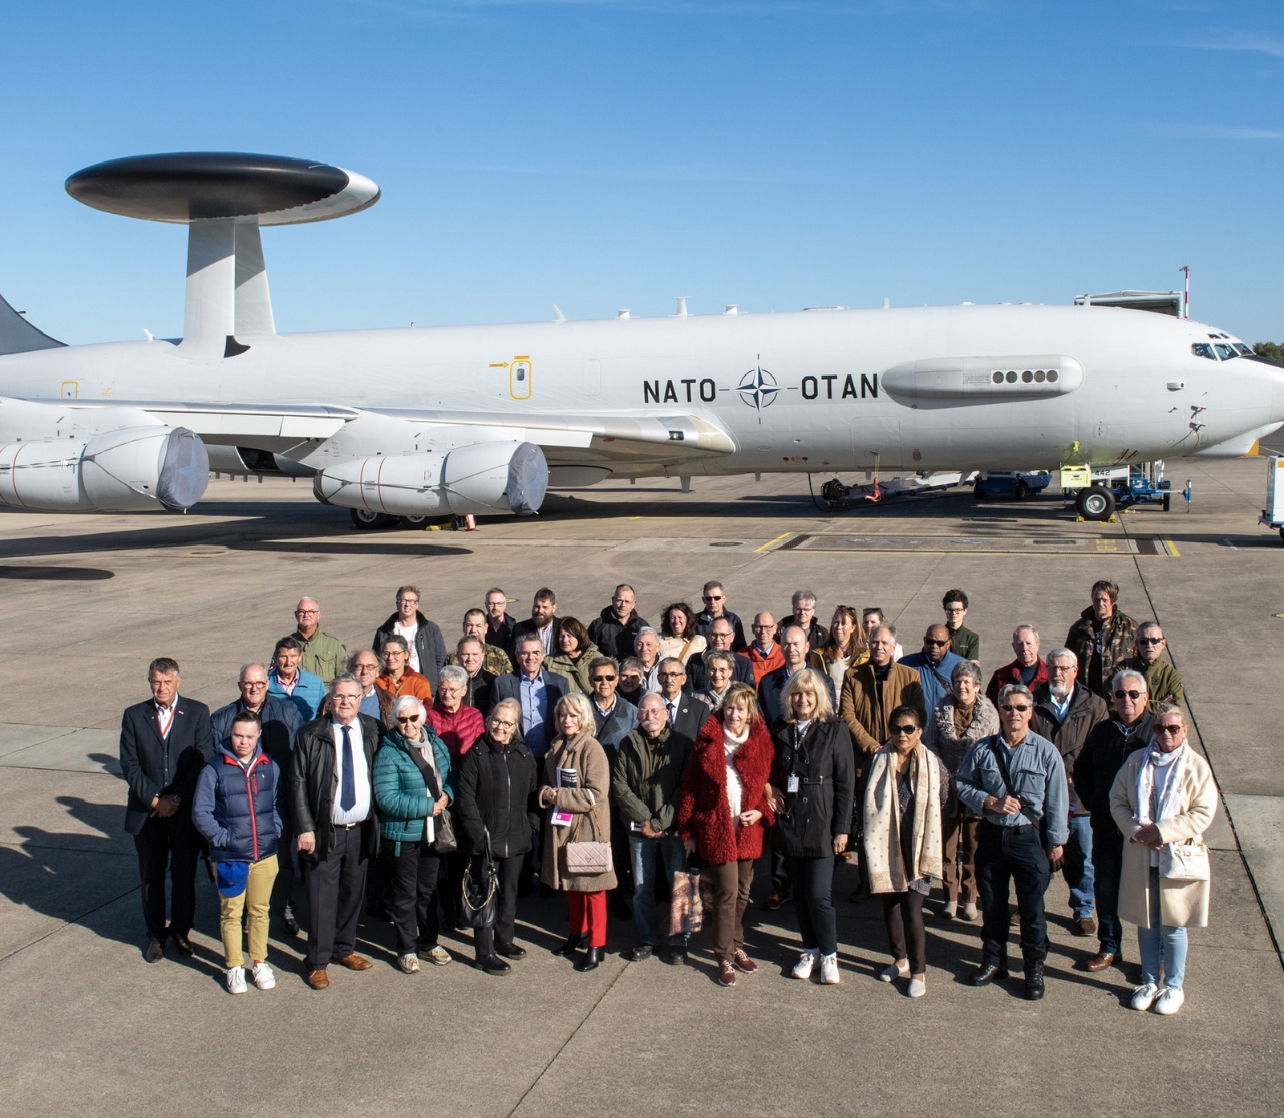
(937, 644)
(1020, 707)
(407, 718)
(1165, 728)
(306, 612)
(407, 601)
(907, 728)
(254, 683)
(757, 627)
(502, 724)
(1129, 694)
(602, 679)
(713, 597)
(1150, 640)
(672, 675)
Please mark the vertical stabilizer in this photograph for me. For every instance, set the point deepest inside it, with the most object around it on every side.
(17, 335)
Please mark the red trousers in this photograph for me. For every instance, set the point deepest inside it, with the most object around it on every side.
(588, 914)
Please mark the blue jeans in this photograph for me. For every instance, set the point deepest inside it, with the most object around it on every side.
(1076, 867)
(1161, 944)
(1107, 863)
(646, 856)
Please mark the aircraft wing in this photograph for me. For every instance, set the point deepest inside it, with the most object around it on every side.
(316, 435)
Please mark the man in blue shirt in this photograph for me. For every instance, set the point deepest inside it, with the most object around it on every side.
(1016, 782)
(935, 665)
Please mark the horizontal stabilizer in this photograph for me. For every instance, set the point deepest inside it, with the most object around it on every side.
(17, 335)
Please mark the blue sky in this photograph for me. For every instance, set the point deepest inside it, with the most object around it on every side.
(617, 153)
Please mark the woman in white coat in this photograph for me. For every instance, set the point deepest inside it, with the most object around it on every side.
(1162, 800)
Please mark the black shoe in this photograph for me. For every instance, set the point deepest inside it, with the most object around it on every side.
(183, 944)
(573, 944)
(592, 957)
(674, 956)
(510, 951)
(640, 952)
(155, 951)
(1034, 981)
(288, 921)
(987, 973)
(494, 965)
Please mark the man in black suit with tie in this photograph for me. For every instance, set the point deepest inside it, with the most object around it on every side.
(332, 796)
(164, 744)
(686, 713)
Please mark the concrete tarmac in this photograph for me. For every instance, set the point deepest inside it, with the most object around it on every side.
(90, 1028)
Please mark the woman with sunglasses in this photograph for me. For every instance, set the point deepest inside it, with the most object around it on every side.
(905, 789)
(1163, 797)
(412, 787)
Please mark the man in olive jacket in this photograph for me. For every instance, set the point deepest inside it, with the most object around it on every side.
(645, 783)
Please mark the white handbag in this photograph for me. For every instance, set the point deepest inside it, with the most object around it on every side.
(1185, 861)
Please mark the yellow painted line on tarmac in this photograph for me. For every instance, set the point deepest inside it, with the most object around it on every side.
(1171, 548)
(772, 543)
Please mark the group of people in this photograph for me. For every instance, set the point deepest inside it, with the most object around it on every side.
(608, 759)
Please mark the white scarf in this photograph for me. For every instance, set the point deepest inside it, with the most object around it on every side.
(1158, 784)
(735, 789)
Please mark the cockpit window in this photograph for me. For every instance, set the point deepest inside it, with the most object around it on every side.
(1226, 352)
(1243, 350)
(1203, 349)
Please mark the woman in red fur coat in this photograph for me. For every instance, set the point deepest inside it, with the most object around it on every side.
(723, 813)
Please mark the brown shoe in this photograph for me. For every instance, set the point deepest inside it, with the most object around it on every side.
(1084, 926)
(318, 979)
(1100, 961)
(726, 974)
(776, 901)
(743, 963)
(354, 962)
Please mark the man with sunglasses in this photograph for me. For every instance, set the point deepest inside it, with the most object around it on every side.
(934, 665)
(1108, 745)
(613, 715)
(1162, 680)
(714, 596)
(1016, 782)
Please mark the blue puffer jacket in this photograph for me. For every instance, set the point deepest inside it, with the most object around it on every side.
(235, 807)
(400, 790)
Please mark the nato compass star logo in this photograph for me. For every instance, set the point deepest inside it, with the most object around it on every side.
(758, 389)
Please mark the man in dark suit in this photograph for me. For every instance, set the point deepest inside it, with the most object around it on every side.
(685, 713)
(796, 647)
(333, 803)
(164, 744)
(722, 638)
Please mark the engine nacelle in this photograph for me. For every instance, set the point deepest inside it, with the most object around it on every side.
(481, 478)
(130, 469)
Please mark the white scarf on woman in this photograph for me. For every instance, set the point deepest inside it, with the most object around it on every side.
(887, 870)
(1158, 785)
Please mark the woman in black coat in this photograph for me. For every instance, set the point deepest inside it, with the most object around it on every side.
(813, 786)
(494, 794)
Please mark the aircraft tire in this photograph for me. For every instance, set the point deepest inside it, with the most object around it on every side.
(366, 521)
(1168, 501)
(1022, 490)
(413, 521)
(1095, 503)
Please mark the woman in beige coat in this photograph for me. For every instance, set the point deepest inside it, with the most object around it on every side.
(576, 792)
(1164, 796)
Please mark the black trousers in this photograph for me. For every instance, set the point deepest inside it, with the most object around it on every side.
(168, 844)
(510, 874)
(413, 871)
(336, 885)
(1004, 856)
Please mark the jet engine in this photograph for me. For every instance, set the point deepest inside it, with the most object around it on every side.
(477, 479)
(129, 469)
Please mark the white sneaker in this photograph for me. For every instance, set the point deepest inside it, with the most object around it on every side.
(235, 980)
(409, 964)
(829, 970)
(917, 988)
(949, 910)
(437, 955)
(264, 978)
(892, 973)
(1169, 1001)
(969, 910)
(805, 965)
(1144, 997)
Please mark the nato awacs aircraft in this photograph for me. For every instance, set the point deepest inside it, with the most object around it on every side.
(456, 420)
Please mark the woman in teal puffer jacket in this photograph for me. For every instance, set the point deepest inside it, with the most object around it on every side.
(412, 787)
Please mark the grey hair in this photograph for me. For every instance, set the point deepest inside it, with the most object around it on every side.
(407, 701)
(803, 596)
(1117, 680)
(453, 673)
(1058, 653)
(721, 655)
(513, 707)
(1015, 689)
(968, 668)
(344, 677)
